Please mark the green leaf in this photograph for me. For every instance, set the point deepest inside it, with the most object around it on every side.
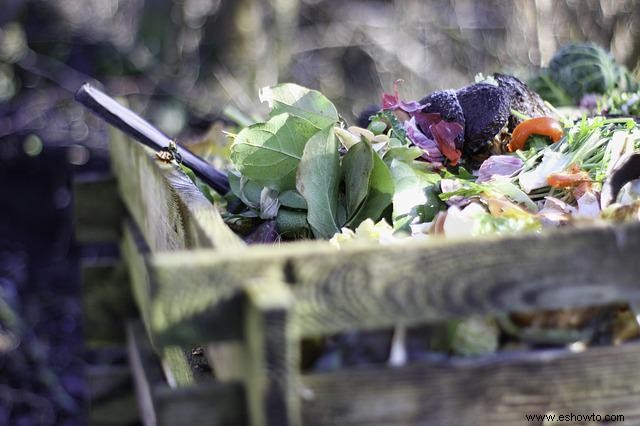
(503, 185)
(292, 199)
(269, 153)
(469, 189)
(403, 153)
(247, 191)
(300, 102)
(357, 165)
(318, 180)
(380, 195)
(292, 223)
(432, 206)
(410, 185)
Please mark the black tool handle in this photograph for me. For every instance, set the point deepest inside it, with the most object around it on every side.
(138, 128)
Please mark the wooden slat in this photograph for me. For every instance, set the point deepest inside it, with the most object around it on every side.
(135, 253)
(379, 286)
(497, 390)
(107, 301)
(111, 397)
(211, 404)
(98, 210)
(226, 322)
(271, 356)
(170, 211)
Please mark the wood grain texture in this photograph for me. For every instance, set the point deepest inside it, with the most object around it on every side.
(135, 253)
(97, 208)
(107, 301)
(378, 286)
(215, 404)
(271, 356)
(169, 209)
(495, 390)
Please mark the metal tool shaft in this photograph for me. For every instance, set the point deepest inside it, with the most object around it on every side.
(144, 132)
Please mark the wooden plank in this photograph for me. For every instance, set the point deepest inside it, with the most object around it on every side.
(378, 286)
(170, 211)
(227, 360)
(107, 301)
(215, 404)
(495, 390)
(147, 373)
(271, 357)
(111, 397)
(135, 252)
(97, 207)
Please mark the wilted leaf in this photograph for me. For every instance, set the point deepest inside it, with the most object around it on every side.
(269, 203)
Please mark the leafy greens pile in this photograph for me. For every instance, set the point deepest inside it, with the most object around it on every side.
(302, 161)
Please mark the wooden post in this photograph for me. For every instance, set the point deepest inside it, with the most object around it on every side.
(271, 356)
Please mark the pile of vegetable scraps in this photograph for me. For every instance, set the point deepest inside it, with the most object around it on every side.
(489, 158)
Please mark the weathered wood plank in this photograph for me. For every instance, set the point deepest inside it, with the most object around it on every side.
(170, 211)
(98, 209)
(379, 286)
(271, 357)
(107, 301)
(227, 360)
(226, 322)
(497, 390)
(211, 403)
(111, 396)
(135, 253)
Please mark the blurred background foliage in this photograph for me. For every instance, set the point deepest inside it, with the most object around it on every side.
(182, 61)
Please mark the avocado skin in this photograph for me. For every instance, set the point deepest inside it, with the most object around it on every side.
(523, 99)
(486, 111)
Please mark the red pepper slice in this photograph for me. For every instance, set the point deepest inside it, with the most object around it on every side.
(544, 126)
(571, 178)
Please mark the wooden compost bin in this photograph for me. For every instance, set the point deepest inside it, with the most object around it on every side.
(196, 283)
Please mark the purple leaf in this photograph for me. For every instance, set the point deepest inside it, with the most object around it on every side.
(393, 101)
(429, 146)
(502, 165)
(424, 120)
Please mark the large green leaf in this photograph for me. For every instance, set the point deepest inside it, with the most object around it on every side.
(318, 180)
(380, 194)
(269, 153)
(357, 165)
(300, 102)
